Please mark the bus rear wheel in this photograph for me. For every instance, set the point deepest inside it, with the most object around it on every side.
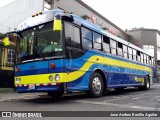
(56, 94)
(146, 85)
(96, 85)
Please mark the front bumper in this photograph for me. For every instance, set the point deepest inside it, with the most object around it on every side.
(25, 89)
(41, 83)
(38, 88)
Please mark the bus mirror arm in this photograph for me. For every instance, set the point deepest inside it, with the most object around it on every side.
(68, 41)
(68, 18)
(68, 53)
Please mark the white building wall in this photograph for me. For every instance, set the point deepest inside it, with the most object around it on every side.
(158, 46)
(14, 13)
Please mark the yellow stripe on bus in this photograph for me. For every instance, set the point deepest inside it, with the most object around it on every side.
(68, 77)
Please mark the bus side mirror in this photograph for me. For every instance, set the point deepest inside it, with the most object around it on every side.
(57, 25)
(68, 18)
(68, 41)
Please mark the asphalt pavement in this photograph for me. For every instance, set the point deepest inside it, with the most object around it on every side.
(130, 99)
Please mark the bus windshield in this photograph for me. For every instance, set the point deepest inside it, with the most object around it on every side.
(38, 42)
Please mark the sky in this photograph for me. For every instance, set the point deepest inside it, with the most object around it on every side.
(126, 14)
(4, 2)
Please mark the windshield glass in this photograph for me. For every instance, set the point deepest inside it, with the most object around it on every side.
(39, 42)
(47, 40)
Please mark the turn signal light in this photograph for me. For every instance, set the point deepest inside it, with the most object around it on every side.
(52, 65)
(33, 15)
(58, 84)
(18, 69)
(40, 13)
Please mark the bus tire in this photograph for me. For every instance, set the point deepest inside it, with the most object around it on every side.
(96, 85)
(146, 85)
(56, 94)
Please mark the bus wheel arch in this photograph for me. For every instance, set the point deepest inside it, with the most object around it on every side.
(99, 77)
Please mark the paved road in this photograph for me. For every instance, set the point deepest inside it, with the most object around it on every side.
(129, 100)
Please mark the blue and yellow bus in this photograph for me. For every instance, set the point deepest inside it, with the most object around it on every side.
(58, 52)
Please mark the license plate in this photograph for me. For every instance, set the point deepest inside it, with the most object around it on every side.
(31, 87)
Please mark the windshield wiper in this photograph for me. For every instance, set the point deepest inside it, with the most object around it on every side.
(39, 52)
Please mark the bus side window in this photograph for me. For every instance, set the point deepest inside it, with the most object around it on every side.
(125, 51)
(138, 56)
(73, 32)
(142, 56)
(76, 37)
(113, 47)
(130, 52)
(86, 38)
(106, 44)
(97, 41)
(134, 54)
(119, 49)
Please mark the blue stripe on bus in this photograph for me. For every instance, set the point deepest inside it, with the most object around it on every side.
(113, 80)
(43, 67)
(106, 68)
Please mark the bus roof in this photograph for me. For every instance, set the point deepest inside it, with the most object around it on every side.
(38, 18)
(49, 16)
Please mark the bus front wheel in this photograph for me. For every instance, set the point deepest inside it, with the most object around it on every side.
(96, 85)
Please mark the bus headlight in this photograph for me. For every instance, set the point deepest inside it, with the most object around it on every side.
(57, 77)
(18, 80)
(50, 77)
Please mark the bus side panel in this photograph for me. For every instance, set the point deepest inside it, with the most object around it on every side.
(81, 83)
(114, 78)
(123, 80)
(60, 66)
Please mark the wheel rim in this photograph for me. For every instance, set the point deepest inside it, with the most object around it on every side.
(147, 84)
(96, 85)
